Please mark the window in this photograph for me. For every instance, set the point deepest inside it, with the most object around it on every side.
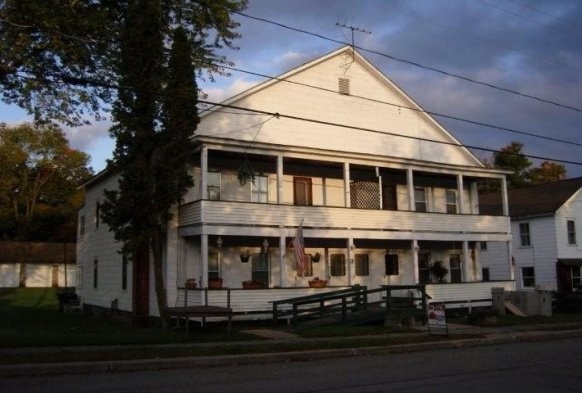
(259, 189)
(81, 226)
(97, 213)
(419, 199)
(344, 86)
(571, 232)
(95, 273)
(451, 201)
(302, 191)
(124, 263)
(308, 271)
(391, 264)
(213, 181)
(337, 265)
(485, 274)
(213, 265)
(524, 234)
(528, 277)
(576, 279)
(362, 262)
(260, 268)
(424, 267)
(455, 267)
(483, 246)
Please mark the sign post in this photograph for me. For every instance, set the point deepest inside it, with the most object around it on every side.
(437, 319)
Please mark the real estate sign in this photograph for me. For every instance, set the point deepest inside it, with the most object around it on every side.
(437, 319)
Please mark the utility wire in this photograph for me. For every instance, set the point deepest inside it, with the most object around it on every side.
(418, 65)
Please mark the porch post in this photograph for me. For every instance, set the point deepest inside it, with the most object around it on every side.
(280, 178)
(410, 184)
(461, 200)
(350, 268)
(474, 198)
(465, 263)
(414, 249)
(282, 271)
(204, 172)
(505, 200)
(348, 200)
(204, 260)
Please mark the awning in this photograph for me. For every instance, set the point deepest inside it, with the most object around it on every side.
(570, 261)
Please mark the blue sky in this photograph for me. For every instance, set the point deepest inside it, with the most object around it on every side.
(530, 46)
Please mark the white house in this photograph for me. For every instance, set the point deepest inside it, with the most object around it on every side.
(546, 251)
(381, 190)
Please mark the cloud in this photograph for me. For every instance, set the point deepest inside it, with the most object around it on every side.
(219, 94)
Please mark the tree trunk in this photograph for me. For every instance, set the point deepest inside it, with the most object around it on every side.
(159, 277)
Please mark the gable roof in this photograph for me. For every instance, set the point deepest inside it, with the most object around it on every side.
(532, 201)
(273, 97)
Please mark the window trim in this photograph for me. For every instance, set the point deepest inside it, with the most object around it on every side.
(417, 201)
(257, 192)
(214, 187)
(524, 234)
(452, 205)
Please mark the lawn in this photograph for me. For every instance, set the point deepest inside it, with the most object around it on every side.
(29, 317)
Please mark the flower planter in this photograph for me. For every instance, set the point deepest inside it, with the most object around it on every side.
(191, 283)
(317, 283)
(215, 284)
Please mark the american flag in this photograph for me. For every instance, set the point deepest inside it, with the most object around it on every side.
(299, 249)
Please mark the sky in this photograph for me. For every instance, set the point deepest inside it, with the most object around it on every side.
(531, 47)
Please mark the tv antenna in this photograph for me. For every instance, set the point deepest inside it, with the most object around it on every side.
(353, 29)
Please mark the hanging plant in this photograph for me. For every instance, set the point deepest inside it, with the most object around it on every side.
(245, 172)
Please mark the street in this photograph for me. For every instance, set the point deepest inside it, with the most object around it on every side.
(545, 366)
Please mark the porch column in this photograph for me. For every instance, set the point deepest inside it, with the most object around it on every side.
(204, 260)
(414, 249)
(474, 198)
(348, 200)
(410, 184)
(282, 271)
(460, 193)
(280, 179)
(466, 263)
(204, 173)
(350, 268)
(505, 200)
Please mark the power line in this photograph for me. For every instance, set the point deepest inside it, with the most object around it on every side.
(419, 110)
(419, 65)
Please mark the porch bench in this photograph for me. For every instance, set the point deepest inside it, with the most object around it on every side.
(187, 312)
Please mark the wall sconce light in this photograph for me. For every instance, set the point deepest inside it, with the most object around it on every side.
(265, 245)
(219, 242)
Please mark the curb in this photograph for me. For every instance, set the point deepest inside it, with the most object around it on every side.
(229, 360)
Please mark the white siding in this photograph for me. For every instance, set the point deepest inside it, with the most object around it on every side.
(571, 210)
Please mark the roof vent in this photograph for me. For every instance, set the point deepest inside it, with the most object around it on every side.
(344, 86)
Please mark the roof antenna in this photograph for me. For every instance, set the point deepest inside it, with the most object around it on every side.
(353, 28)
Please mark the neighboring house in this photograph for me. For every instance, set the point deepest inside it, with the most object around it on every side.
(380, 189)
(547, 250)
(36, 264)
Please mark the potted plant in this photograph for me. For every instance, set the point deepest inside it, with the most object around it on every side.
(439, 271)
(191, 283)
(252, 284)
(315, 257)
(244, 256)
(215, 283)
(316, 282)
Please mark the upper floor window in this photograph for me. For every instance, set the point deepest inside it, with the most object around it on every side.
(483, 246)
(302, 191)
(571, 232)
(524, 235)
(81, 226)
(260, 189)
(97, 213)
(213, 186)
(451, 201)
(362, 265)
(420, 199)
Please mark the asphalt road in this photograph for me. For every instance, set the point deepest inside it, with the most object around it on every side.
(544, 366)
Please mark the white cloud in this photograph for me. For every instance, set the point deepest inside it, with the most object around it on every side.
(219, 94)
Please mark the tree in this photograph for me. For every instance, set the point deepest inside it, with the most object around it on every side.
(39, 176)
(547, 172)
(511, 158)
(155, 116)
